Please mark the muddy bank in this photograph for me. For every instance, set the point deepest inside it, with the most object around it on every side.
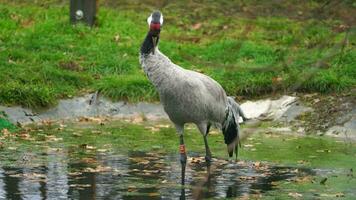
(333, 115)
(85, 106)
(305, 114)
(285, 108)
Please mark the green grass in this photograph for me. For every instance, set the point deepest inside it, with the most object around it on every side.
(5, 124)
(44, 58)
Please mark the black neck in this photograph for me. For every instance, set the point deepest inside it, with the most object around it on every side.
(147, 45)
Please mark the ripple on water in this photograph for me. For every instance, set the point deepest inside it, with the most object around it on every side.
(140, 175)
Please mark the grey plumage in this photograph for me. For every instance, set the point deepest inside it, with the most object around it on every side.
(188, 96)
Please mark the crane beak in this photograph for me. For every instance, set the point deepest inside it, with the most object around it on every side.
(155, 29)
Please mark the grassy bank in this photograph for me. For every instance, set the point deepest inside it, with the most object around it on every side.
(43, 58)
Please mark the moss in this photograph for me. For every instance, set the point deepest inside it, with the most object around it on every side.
(4, 122)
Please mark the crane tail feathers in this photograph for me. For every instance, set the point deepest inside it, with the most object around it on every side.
(231, 127)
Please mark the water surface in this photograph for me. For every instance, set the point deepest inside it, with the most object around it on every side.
(127, 162)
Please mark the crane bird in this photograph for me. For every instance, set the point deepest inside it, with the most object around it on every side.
(188, 96)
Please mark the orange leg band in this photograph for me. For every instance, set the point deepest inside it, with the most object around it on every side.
(182, 149)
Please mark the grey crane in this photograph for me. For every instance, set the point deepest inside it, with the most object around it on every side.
(188, 96)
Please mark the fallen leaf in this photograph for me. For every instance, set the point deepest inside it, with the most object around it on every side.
(47, 122)
(214, 132)
(88, 160)
(197, 26)
(153, 194)
(162, 125)
(137, 119)
(97, 169)
(340, 194)
(79, 185)
(52, 138)
(131, 188)
(77, 134)
(302, 161)
(25, 136)
(27, 22)
(92, 119)
(257, 164)
(305, 179)
(95, 131)
(75, 173)
(11, 61)
(103, 168)
(145, 162)
(276, 80)
(152, 128)
(102, 150)
(295, 195)
(90, 147)
(117, 38)
(274, 183)
(247, 177)
(34, 176)
(5, 132)
(323, 151)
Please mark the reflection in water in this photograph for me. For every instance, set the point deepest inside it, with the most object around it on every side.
(242, 179)
(43, 184)
(29, 189)
(11, 183)
(56, 171)
(137, 175)
(2, 189)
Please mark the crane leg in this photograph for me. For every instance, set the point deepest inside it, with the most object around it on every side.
(204, 130)
(183, 154)
(183, 157)
(207, 151)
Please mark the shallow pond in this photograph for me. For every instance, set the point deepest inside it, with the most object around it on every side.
(125, 161)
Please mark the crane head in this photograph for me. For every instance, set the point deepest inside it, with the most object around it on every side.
(155, 22)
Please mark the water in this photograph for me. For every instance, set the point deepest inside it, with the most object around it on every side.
(135, 175)
(127, 161)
